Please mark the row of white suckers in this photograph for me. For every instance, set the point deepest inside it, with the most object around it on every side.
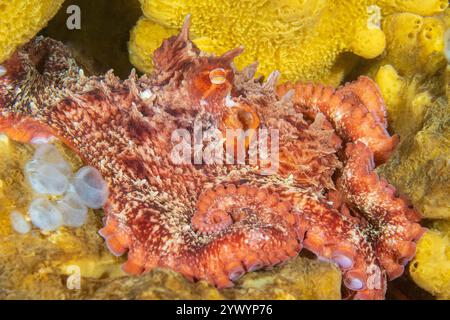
(50, 175)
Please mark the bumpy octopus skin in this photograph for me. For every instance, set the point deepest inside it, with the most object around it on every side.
(212, 221)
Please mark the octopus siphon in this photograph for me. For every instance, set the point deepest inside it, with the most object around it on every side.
(171, 206)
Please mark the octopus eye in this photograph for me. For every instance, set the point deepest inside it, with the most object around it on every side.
(217, 76)
(3, 71)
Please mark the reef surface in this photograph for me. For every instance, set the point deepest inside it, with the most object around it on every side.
(39, 265)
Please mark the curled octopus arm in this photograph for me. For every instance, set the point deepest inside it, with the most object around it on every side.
(356, 111)
(243, 228)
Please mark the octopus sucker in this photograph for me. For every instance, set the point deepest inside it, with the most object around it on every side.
(212, 220)
(217, 209)
(389, 214)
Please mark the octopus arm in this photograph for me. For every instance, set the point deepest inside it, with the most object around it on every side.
(392, 219)
(334, 236)
(356, 112)
(369, 94)
(234, 230)
(23, 129)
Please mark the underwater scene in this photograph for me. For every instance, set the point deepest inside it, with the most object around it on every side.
(224, 150)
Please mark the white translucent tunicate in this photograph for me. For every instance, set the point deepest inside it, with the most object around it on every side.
(45, 215)
(74, 212)
(45, 178)
(49, 154)
(19, 223)
(90, 187)
(48, 172)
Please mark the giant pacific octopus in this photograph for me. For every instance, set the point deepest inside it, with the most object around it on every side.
(218, 221)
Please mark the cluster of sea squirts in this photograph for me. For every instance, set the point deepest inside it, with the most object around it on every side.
(61, 197)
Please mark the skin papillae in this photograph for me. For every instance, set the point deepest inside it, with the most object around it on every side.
(218, 221)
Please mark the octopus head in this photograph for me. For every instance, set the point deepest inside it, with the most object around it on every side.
(207, 81)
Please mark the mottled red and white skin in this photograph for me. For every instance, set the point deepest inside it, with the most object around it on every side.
(210, 221)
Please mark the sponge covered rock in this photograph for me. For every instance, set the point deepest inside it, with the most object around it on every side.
(21, 20)
(431, 267)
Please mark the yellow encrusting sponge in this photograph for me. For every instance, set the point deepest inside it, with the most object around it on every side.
(301, 38)
(21, 20)
(422, 7)
(414, 44)
(430, 269)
